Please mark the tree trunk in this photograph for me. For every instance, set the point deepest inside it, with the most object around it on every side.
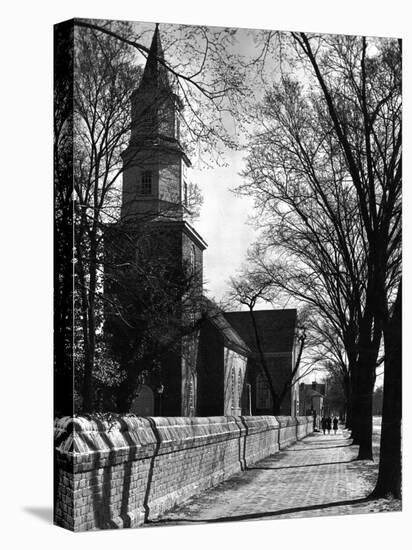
(348, 396)
(390, 464)
(366, 380)
(370, 336)
(354, 409)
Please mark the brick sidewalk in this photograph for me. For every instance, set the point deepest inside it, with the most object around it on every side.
(316, 476)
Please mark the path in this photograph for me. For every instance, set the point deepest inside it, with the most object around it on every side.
(315, 476)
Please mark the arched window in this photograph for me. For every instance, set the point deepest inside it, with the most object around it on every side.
(234, 392)
(240, 387)
(146, 182)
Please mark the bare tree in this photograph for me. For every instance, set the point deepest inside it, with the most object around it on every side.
(299, 171)
(311, 246)
(103, 77)
(326, 162)
(363, 98)
(390, 472)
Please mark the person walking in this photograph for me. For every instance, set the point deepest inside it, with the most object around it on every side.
(323, 424)
(329, 424)
(335, 424)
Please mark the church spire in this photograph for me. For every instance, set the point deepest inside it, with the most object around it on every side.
(155, 73)
(155, 161)
(155, 107)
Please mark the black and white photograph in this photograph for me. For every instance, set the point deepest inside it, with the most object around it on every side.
(205, 227)
(227, 274)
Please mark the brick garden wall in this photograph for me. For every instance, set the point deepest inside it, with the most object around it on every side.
(121, 472)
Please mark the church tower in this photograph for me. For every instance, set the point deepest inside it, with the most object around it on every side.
(155, 188)
(155, 164)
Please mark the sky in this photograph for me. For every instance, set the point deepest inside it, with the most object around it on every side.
(223, 223)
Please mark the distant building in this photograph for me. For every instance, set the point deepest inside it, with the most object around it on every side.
(312, 398)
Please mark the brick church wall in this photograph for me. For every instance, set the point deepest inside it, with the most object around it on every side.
(120, 472)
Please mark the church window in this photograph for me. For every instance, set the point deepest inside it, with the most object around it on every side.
(146, 182)
(234, 404)
(240, 386)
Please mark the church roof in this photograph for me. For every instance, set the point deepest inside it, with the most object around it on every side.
(276, 329)
(155, 73)
(231, 338)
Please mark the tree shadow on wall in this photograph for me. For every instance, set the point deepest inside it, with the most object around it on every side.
(102, 505)
(101, 498)
(102, 483)
(151, 469)
(242, 453)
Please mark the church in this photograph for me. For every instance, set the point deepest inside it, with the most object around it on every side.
(212, 368)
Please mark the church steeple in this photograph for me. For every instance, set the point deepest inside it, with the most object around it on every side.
(154, 177)
(155, 106)
(155, 73)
